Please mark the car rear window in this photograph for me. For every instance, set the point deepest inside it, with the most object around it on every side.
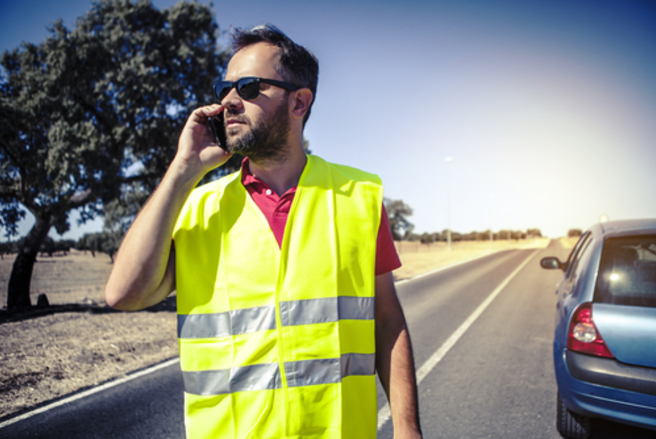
(627, 273)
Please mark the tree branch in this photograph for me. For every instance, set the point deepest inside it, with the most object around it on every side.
(80, 199)
(7, 194)
(139, 178)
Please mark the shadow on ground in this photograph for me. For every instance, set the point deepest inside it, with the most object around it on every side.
(167, 305)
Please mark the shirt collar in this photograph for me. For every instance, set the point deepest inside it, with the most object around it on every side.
(247, 178)
(250, 180)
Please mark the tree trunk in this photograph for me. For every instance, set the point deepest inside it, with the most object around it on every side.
(18, 292)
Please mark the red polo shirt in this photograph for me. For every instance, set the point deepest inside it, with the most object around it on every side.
(276, 210)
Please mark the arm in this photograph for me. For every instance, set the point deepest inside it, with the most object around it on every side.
(144, 269)
(394, 359)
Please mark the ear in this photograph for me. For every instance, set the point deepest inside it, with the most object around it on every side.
(301, 102)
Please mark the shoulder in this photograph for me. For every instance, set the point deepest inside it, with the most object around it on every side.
(342, 173)
(203, 201)
(213, 189)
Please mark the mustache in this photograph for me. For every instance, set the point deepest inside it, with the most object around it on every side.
(234, 114)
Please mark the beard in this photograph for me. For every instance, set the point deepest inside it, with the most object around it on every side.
(266, 139)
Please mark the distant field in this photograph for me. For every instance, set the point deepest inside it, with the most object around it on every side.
(74, 278)
(569, 242)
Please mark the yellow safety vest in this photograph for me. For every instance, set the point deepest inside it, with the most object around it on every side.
(280, 342)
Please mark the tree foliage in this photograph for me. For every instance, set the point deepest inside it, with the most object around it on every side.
(427, 238)
(89, 119)
(50, 246)
(99, 243)
(398, 213)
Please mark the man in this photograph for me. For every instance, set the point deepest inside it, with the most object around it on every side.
(285, 307)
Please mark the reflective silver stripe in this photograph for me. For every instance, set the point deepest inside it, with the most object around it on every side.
(305, 312)
(240, 321)
(267, 376)
(358, 364)
(331, 309)
(329, 370)
(236, 379)
(311, 372)
(356, 308)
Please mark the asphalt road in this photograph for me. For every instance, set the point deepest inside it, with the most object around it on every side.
(496, 381)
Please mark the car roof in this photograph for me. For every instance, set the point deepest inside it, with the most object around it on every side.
(625, 227)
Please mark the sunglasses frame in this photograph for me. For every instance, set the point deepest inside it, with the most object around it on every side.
(236, 85)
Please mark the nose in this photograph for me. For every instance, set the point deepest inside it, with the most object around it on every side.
(232, 100)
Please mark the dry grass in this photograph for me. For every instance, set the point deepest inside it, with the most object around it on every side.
(569, 243)
(76, 346)
(54, 355)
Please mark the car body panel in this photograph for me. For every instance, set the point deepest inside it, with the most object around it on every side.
(629, 332)
(611, 373)
(598, 401)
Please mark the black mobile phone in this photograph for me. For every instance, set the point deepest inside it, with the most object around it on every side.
(218, 130)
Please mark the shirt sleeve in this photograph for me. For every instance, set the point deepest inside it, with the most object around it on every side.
(387, 258)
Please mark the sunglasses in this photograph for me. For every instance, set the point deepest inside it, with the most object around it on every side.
(248, 88)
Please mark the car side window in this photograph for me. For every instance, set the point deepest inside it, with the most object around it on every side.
(583, 254)
(573, 258)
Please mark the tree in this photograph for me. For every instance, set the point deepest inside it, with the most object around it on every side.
(484, 236)
(571, 233)
(50, 246)
(92, 112)
(505, 234)
(533, 233)
(99, 242)
(473, 236)
(398, 213)
(427, 238)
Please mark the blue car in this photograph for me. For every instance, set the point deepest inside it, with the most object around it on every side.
(605, 339)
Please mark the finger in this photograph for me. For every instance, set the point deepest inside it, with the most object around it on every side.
(207, 111)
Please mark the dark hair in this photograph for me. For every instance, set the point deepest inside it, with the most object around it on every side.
(296, 64)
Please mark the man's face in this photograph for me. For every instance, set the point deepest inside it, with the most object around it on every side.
(263, 139)
(258, 128)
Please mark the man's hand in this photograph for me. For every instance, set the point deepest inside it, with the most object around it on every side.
(198, 152)
(144, 268)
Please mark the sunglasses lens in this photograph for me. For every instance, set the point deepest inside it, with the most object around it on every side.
(221, 90)
(248, 88)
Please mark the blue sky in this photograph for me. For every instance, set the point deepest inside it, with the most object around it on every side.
(547, 107)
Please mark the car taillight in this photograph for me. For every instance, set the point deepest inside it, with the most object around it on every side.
(583, 336)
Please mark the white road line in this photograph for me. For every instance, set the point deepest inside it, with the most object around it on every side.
(424, 370)
(86, 393)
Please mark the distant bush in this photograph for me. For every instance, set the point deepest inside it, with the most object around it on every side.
(571, 233)
(427, 238)
(50, 246)
(99, 242)
(11, 247)
(533, 233)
